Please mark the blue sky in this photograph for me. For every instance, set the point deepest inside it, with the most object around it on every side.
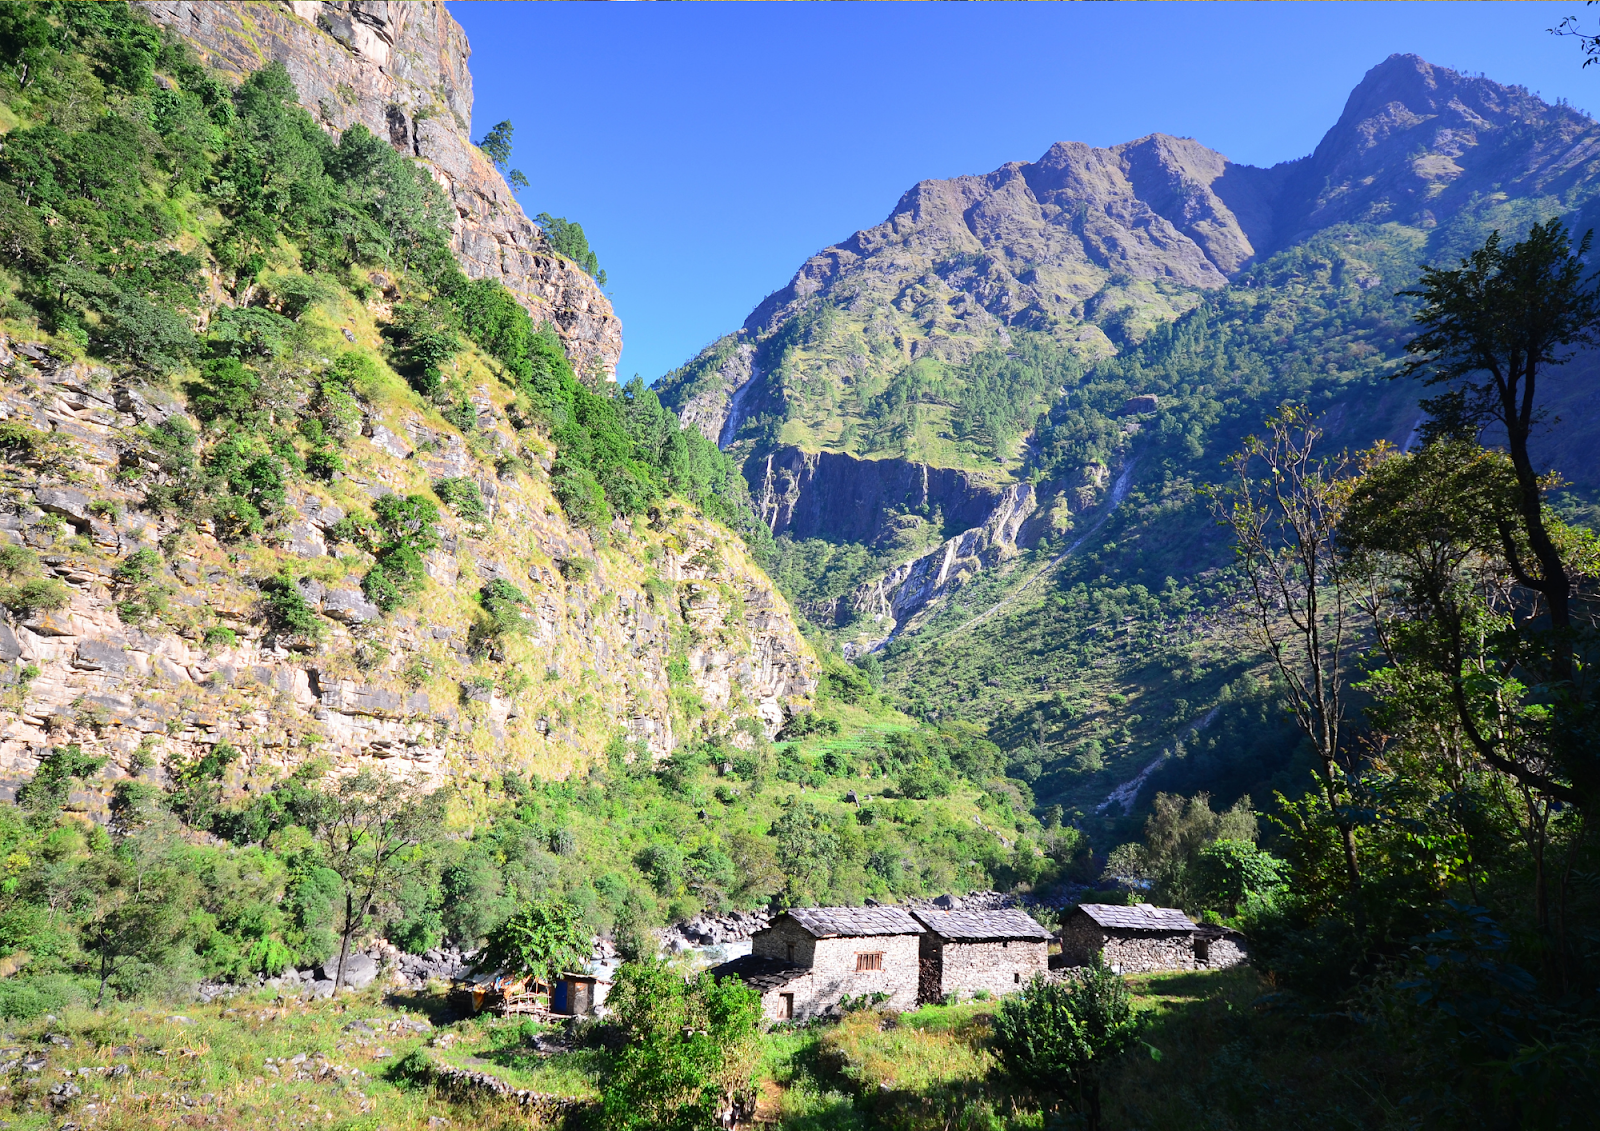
(708, 149)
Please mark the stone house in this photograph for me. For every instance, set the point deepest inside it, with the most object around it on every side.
(962, 952)
(809, 958)
(1132, 940)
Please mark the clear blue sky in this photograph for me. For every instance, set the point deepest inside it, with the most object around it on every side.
(708, 149)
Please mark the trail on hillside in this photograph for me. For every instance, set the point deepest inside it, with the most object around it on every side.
(1126, 793)
(1119, 492)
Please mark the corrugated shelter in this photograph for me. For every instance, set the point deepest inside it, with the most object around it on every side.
(963, 952)
(1131, 940)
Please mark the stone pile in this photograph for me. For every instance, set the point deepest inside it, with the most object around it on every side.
(449, 963)
(714, 930)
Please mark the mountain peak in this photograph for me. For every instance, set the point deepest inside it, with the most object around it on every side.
(1417, 142)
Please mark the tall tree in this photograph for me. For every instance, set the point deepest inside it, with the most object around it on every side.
(1284, 510)
(1490, 328)
(370, 826)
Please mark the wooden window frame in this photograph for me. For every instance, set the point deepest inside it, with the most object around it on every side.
(869, 962)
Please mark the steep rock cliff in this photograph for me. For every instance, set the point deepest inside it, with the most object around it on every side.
(652, 628)
(400, 69)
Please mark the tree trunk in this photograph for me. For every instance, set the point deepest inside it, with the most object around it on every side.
(344, 941)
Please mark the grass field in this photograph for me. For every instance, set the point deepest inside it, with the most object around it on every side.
(1215, 1053)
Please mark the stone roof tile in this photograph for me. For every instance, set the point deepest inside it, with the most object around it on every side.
(1140, 917)
(854, 922)
(980, 926)
(760, 971)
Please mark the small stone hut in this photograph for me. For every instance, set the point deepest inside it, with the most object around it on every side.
(817, 955)
(962, 952)
(779, 983)
(1132, 940)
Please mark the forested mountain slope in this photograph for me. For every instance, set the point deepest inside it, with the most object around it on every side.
(310, 465)
(978, 429)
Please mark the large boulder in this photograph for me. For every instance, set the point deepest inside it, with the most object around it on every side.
(359, 970)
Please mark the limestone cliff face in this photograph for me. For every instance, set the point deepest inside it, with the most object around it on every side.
(657, 628)
(400, 69)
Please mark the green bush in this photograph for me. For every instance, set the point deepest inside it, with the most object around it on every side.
(37, 595)
(288, 612)
(462, 496)
(23, 997)
(689, 1049)
(1061, 1038)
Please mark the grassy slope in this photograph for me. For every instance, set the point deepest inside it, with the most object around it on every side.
(1222, 1051)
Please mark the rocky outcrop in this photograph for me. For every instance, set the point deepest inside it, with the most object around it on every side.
(156, 673)
(846, 499)
(400, 69)
(1091, 245)
(892, 600)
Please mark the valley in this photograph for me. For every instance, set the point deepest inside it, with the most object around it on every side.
(1107, 646)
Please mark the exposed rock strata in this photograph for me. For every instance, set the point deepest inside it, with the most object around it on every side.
(400, 69)
(410, 689)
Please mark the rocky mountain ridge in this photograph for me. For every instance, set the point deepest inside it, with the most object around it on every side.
(1088, 249)
(400, 69)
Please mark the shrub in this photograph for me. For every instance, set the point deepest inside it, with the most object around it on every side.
(37, 595)
(924, 780)
(689, 1049)
(17, 561)
(543, 938)
(1060, 1038)
(288, 612)
(462, 496)
(23, 998)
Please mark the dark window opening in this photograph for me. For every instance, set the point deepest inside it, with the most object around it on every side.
(786, 1006)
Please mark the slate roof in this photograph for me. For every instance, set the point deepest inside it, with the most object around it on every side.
(982, 926)
(1140, 917)
(760, 971)
(854, 922)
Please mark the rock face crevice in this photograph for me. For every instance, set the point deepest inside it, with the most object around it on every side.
(400, 69)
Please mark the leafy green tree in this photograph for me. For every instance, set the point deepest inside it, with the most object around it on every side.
(1489, 329)
(1231, 872)
(371, 827)
(145, 892)
(542, 939)
(689, 1052)
(1061, 1038)
(807, 844)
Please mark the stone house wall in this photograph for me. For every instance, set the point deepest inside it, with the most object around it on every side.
(1128, 952)
(785, 939)
(1222, 953)
(804, 991)
(833, 969)
(1000, 967)
(1140, 952)
(1081, 939)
